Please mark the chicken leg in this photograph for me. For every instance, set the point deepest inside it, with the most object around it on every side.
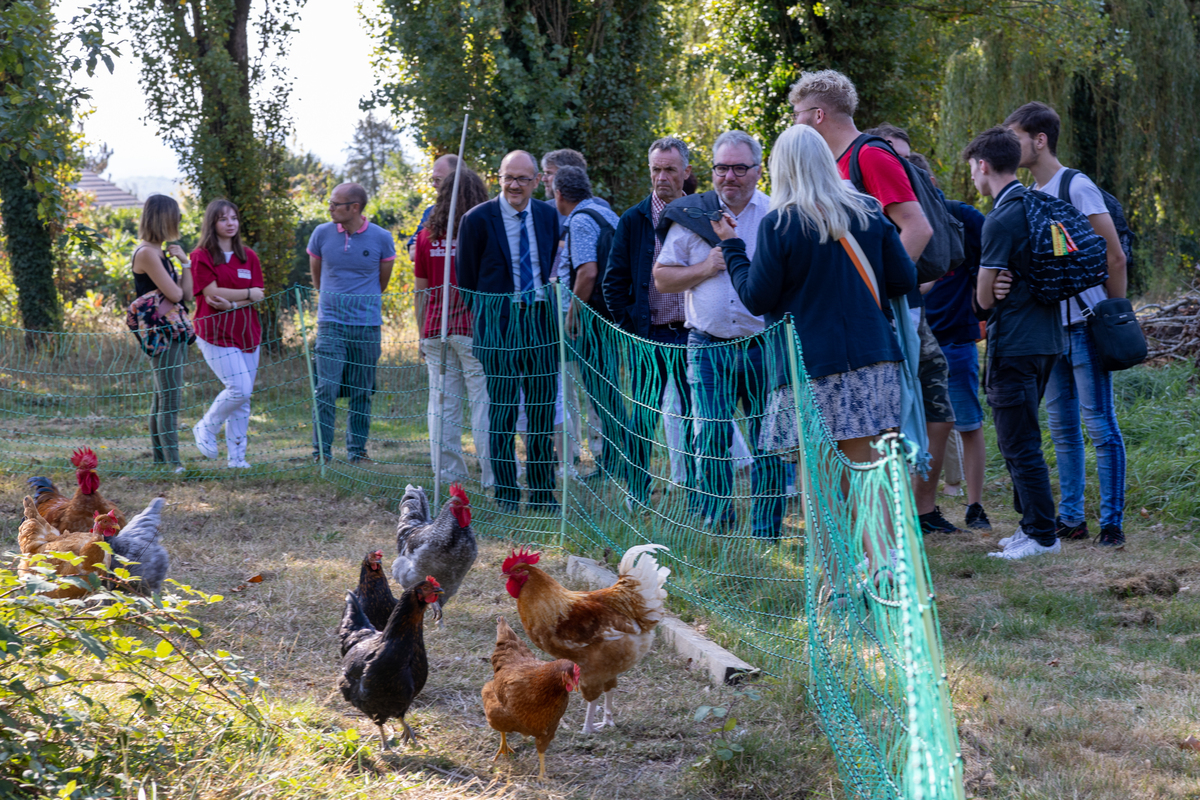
(409, 736)
(504, 750)
(542, 764)
(608, 710)
(383, 737)
(589, 725)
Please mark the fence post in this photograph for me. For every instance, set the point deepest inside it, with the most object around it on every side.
(312, 383)
(804, 486)
(565, 455)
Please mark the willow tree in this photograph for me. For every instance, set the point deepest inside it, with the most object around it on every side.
(222, 107)
(534, 75)
(38, 103)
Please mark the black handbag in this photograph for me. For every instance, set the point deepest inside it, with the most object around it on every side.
(1116, 333)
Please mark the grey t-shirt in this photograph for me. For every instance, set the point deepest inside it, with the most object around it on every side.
(1019, 325)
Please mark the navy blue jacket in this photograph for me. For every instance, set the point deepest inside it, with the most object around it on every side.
(948, 305)
(484, 261)
(839, 325)
(630, 269)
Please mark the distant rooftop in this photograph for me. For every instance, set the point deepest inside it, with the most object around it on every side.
(106, 193)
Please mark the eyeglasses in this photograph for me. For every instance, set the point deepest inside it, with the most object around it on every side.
(738, 169)
(796, 114)
(335, 205)
(520, 180)
(700, 213)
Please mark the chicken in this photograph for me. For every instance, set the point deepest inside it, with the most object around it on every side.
(605, 632)
(36, 536)
(77, 513)
(444, 547)
(139, 542)
(527, 695)
(383, 671)
(373, 594)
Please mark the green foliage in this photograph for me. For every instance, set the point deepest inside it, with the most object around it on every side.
(375, 145)
(535, 75)
(722, 747)
(96, 691)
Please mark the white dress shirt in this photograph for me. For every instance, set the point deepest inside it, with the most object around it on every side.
(512, 227)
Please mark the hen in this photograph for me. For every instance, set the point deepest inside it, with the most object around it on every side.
(605, 632)
(137, 548)
(383, 671)
(527, 695)
(444, 547)
(374, 596)
(36, 536)
(77, 513)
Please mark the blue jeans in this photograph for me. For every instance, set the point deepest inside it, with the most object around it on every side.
(963, 361)
(346, 359)
(720, 376)
(1080, 388)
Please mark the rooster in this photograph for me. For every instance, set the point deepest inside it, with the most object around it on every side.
(527, 695)
(78, 513)
(383, 671)
(373, 594)
(37, 536)
(137, 548)
(444, 547)
(605, 632)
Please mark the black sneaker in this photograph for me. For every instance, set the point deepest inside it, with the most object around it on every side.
(1111, 536)
(934, 522)
(1073, 533)
(977, 518)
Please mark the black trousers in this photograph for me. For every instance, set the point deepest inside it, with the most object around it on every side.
(523, 357)
(1015, 386)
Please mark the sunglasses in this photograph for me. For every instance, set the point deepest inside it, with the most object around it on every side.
(700, 213)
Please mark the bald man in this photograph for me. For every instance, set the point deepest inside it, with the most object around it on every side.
(506, 249)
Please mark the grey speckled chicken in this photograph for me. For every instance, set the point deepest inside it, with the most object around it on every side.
(139, 541)
(443, 547)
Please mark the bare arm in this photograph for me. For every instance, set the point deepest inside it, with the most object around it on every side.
(1118, 279)
(314, 268)
(385, 274)
(150, 264)
(419, 301)
(983, 288)
(185, 275)
(915, 231)
(674, 278)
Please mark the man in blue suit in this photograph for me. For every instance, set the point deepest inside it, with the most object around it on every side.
(506, 250)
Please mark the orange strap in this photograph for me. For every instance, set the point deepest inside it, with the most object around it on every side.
(862, 270)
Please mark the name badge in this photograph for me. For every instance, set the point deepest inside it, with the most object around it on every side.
(244, 274)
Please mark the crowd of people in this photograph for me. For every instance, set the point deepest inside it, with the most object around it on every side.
(835, 246)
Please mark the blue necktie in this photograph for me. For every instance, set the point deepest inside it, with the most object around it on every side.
(526, 260)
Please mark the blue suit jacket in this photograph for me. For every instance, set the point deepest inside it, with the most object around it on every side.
(484, 262)
(630, 270)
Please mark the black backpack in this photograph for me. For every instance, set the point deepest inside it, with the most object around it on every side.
(603, 247)
(1067, 256)
(945, 249)
(1124, 233)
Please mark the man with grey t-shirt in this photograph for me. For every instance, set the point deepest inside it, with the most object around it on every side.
(351, 262)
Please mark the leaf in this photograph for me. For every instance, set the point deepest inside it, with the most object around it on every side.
(702, 713)
(92, 644)
(720, 712)
(164, 649)
(1190, 743)
(258, 578)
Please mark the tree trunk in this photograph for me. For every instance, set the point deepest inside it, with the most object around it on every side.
(30, 252)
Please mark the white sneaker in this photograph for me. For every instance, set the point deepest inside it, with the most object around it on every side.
(243, 464)
(206, 442)
(1016, 538)
(1026, 548)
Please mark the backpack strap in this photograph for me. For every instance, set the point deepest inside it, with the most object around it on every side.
(1064, 185)
(866, 140)
(859, 258)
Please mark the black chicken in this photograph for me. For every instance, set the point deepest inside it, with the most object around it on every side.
(373, 592)
(383, 671)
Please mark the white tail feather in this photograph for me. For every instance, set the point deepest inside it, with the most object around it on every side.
(650, 576)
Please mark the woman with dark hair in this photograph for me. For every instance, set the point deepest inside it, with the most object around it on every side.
(153, 270)
(228, 280)
(464, 373)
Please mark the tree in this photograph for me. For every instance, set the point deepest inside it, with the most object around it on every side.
(534, 74)
(37, 105)
(206, 95)
(374, 146)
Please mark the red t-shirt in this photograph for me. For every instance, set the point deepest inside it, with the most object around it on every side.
(883, 175)
(239, 328)
(430, 263)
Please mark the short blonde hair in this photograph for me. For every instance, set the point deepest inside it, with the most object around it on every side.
(828, 87)
(160, 219)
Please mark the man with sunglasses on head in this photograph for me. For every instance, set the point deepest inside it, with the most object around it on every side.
(714, 314)
(506, 247)
(351, 260)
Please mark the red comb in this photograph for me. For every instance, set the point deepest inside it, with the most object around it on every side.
(84, 458)
(378, 554)
(433, 580)
(522, 556)
(458, 491)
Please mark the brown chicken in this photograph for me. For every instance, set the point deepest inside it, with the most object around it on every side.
(527, 695)
(36, 536)
(605, 632)
(76, 513)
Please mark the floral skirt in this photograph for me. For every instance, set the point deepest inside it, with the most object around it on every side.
(861, 402)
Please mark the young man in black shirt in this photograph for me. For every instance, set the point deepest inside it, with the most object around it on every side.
(1024, 340)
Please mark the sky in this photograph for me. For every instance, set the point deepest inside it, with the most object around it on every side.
(329, 61)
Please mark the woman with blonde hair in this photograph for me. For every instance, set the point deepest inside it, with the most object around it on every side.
(152, 270)
(228, 280)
